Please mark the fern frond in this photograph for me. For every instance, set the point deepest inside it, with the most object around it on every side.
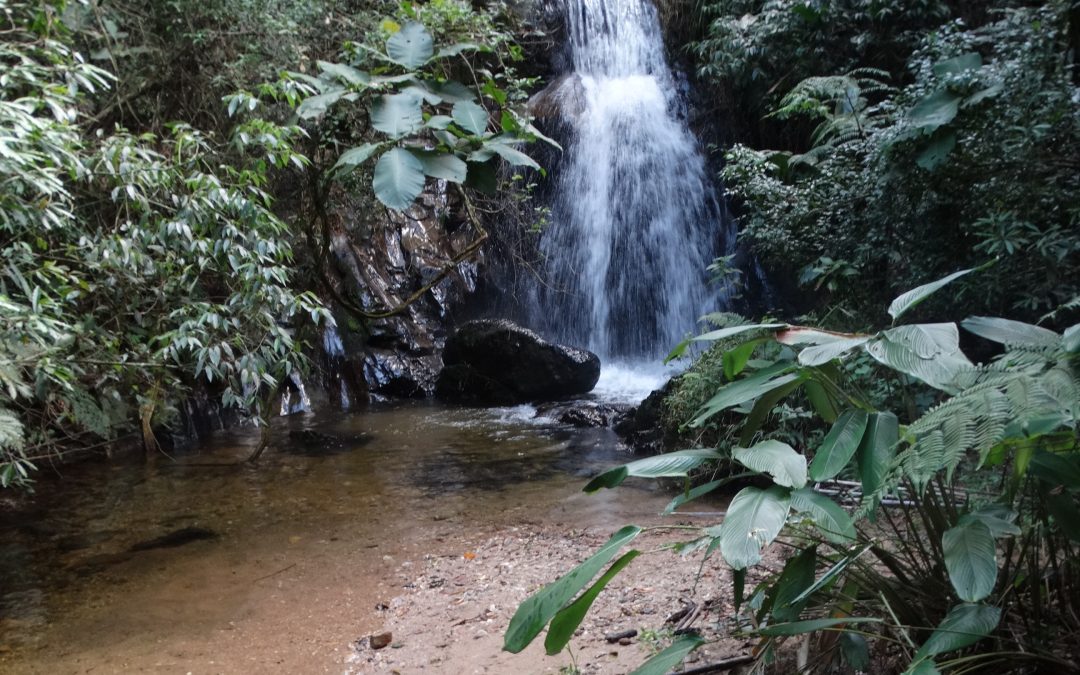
(724, 319)
(1071, 305)
(1024, 385)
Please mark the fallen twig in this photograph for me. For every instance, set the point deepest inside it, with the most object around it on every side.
(283, 569)
(719, 666)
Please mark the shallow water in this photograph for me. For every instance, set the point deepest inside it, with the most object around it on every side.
(110, 564)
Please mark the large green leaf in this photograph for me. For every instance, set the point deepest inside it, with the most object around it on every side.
(566, 621)
(823, 403)
(916, 295)
(797, 576)
(763, 407)
(833, 573)
(877, 449)
(929, 352)
(1008, 332)
(735, 359)
(356, 156)
(315, 106)
(965, 625)
(667, 659)
(754, 519)
(958, 64)
(399, 179)
(937, 149)
(839, 445)
(833, 521)
(442, 165)
(470, 117)
(345, 73)
(971, 559)
(998, 517)
(1071, 339)
(819, 355)
(411, 46)
(669, 465)
(776, 458)
(452, 91)
(533, 614)
(1057, 469)
(935, 110)
(512, 155)
(731, 331)
(397, 114)
(746, 389)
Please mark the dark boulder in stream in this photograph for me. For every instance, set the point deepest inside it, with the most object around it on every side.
(583, 414)
(497, 362)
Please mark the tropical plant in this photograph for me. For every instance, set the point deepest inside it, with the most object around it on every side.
(135, 267)
(951, 567)
(971, 152)
(427, 123)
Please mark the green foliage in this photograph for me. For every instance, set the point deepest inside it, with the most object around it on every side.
(428, 121)
(135, 266)
(176, 59)
(969, 156)
(971, 568)
(535, 613)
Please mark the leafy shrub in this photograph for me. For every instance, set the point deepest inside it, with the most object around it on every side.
(135, 266)
(940, 576)
(973, 157)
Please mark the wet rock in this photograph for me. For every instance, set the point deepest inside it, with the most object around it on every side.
(582, 414)
(621, 635)
(184, 535)
(643, 427)
(497, 362)
(311, 443)
(381, 261)
(380, 640)
(563, 99)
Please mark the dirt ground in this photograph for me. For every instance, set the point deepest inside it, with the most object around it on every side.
(451, 611)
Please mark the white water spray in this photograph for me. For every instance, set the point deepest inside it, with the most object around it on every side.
(635, 220)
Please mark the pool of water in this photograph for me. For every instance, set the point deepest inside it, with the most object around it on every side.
(106, 561)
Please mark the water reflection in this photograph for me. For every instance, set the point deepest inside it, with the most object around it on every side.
(99, 527)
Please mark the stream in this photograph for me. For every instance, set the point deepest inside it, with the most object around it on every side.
(159, 566)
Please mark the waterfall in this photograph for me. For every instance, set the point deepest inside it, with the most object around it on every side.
(634, 219)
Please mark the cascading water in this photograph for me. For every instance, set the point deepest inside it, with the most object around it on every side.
(634, 220)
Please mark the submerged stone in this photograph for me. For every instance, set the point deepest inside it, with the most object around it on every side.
(184, 535)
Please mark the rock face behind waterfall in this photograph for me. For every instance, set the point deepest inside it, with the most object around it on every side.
(378, 260)
(497, 362)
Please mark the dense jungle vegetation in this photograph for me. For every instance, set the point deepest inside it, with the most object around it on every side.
(906, 172)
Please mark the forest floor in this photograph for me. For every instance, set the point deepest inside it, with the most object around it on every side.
(451, 611)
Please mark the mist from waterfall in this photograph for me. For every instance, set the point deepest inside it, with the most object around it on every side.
(634, 220)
